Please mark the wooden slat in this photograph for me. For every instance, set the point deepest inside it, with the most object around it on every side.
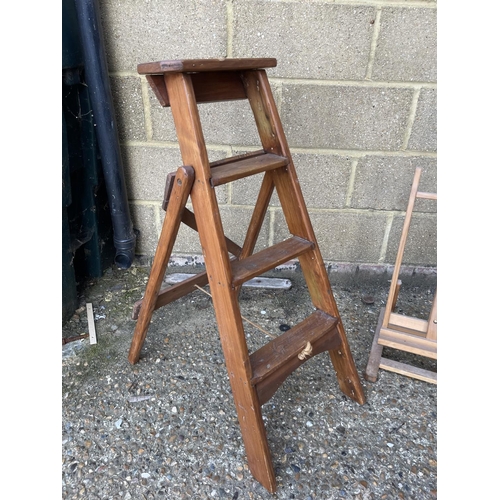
(408, 342)
(231, 159)
(195, 65)
(218, 86)
(268, 259)
(273, 362)
(408, 370)
(244, 167)
(208, 87)
(408, 324)
(427, 196)
(168, 295)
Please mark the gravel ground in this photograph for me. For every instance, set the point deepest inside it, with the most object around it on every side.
(166, 428)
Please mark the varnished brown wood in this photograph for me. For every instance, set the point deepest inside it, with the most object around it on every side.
(268, 387)
(169, 184)
(245, 167)
(182, 187)
(292, 201)
(217, 86)
(231, 159)
(197, 65)
(157, 84)
(254, 378)
(269, 258)
(171, 294)
(193, 152)
(208, 87)
(276, 360)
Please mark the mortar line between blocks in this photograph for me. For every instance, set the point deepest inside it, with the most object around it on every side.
(355, 153)
(353, 83)
(373, 3)
(230, 28)
(385, 240)
(230, 184)
(411, 119)
(373, 48)
(352, 179)
(158, 221)
(270, 240)
(148, 123)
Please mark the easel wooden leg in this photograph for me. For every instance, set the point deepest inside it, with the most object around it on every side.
(372, 368)
(180, 193)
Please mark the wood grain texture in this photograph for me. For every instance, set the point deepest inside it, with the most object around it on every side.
(274, 362)
(245, 167)
(193, 152)
(269, 258)
(182, 84)
(373, 365)
(402, 244)
(295, 211)
(197, 65)
(408, 370)
(178, 198)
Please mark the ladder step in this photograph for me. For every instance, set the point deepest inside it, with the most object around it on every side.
(243, 166)
(272, 363)
(260, 262)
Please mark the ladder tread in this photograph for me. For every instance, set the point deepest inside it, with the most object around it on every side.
(260, 262)
(285, 348)
(245, 165)
(196, 65)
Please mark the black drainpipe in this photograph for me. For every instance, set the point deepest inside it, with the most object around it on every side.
(97, 79)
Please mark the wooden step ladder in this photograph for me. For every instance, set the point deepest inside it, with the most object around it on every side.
(398, 331)
(254, 377)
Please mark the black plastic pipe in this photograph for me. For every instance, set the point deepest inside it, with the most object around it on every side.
(97, 79)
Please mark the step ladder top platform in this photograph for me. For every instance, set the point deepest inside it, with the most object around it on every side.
(200, 65)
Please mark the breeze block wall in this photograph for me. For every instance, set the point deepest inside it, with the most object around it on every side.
(356, 89)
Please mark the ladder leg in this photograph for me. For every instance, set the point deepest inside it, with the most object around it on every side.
(232, 335)
(290, 195)
(180, 193)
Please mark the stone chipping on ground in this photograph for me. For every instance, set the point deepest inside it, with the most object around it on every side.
(166, 428)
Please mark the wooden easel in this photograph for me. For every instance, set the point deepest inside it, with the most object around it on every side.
(401, 332)
(254, 377)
